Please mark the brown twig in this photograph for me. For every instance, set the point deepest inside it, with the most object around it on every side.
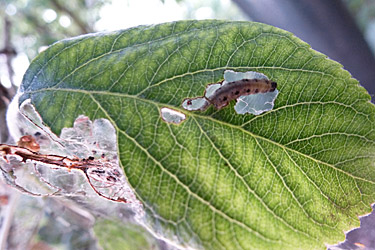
(56, 160)
(9, 51)
(83, 27)
(6, 94)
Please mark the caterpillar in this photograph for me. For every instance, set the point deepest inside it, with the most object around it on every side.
(232, 90)
(254, 93)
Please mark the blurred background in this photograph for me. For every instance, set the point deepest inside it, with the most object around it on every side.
(342, 29)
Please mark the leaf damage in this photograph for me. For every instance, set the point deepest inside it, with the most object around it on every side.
(253, 91)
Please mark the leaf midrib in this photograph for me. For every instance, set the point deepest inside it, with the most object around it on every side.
(157, 104)
(241, 224)
(240, 128)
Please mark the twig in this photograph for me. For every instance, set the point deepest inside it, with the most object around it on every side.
(57, 161)
(84, 28)
(8, 50)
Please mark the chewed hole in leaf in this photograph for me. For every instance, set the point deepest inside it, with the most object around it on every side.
(254, 93)
(172, 116)
(211, 89)
(199, 103)
(256, 104)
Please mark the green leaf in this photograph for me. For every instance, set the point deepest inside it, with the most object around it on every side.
(296, 177)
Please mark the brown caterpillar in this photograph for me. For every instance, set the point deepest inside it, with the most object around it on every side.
(232, 90)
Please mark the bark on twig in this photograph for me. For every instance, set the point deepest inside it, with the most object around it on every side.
(83, 26)
(6, 94)
(85, 165)
(8, 50)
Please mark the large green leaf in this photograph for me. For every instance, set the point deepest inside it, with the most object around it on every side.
(295, 177)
